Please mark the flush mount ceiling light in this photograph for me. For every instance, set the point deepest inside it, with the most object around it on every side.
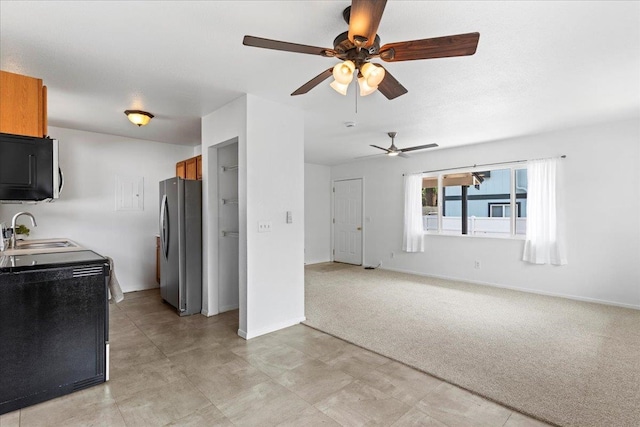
(139, 117)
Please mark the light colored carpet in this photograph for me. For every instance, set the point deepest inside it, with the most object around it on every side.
(566, 362)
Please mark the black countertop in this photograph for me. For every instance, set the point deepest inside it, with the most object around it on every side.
(17, 263)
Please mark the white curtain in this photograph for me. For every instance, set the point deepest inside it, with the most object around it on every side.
(544, 243)
(413, 240)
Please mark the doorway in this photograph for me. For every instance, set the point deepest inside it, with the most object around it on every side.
(347, 221)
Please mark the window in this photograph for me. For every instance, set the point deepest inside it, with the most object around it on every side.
(430, 204)
(499, 210)
(476, 202)
(520, 176)
(502, 210)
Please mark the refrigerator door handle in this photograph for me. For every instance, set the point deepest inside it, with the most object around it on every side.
(164, 226)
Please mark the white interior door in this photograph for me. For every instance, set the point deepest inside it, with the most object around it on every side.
(347, 218)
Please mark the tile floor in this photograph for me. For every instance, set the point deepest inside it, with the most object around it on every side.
(196, 371)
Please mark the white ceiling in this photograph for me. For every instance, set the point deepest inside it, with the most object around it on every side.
(539, 66)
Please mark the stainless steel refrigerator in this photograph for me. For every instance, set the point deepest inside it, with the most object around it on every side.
(181, 244)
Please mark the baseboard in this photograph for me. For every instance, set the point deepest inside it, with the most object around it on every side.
(206, 313)
(221, 310)
(141, 289)
(272, 328)
(228, 308)
(514, 288)
(315, 261)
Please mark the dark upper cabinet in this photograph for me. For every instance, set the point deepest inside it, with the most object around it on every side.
(27, 166)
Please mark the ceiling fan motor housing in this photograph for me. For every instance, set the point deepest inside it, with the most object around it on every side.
(346, 49)
(393, 148)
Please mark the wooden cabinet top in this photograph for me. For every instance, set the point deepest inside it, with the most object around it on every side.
(190, 168)
(23, 105)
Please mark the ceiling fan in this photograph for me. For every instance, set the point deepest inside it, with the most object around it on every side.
(361, 43)
(395, 151)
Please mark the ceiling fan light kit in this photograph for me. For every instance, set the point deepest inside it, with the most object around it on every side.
(370, 76)
(365, 89)
(361, 43)
(343, 73)
(339, 87)
(373, 74)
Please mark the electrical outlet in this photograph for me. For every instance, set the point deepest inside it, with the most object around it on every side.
(264, 226)
(393, 254)
(477, 264)
(289, 217)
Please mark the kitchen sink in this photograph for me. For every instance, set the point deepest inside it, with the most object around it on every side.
(46, 245)
(40, 246)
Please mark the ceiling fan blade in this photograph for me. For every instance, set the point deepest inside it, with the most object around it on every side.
(369, 156)
(313, 82)
(390, 87)
(439, 47)
(365, 18)
(380, 148)
(286, 46)
(418, 147)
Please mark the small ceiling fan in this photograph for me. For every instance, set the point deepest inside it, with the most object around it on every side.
(361, 43)
(395, 151)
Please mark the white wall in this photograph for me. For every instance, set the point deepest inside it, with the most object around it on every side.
(275, 185)
(86, 211)
(602, 197)
(317, 213)
(218, 128)
(270, 182)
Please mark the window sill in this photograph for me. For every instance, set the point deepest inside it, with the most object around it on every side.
(477, 235)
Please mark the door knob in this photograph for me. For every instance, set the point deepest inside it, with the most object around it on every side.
(359, 228)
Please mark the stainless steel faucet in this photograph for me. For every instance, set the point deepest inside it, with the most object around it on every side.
(12, 244)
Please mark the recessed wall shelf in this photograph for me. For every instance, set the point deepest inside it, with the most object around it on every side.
(226, 212)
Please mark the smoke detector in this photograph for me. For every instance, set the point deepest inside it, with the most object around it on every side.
(350, 124)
